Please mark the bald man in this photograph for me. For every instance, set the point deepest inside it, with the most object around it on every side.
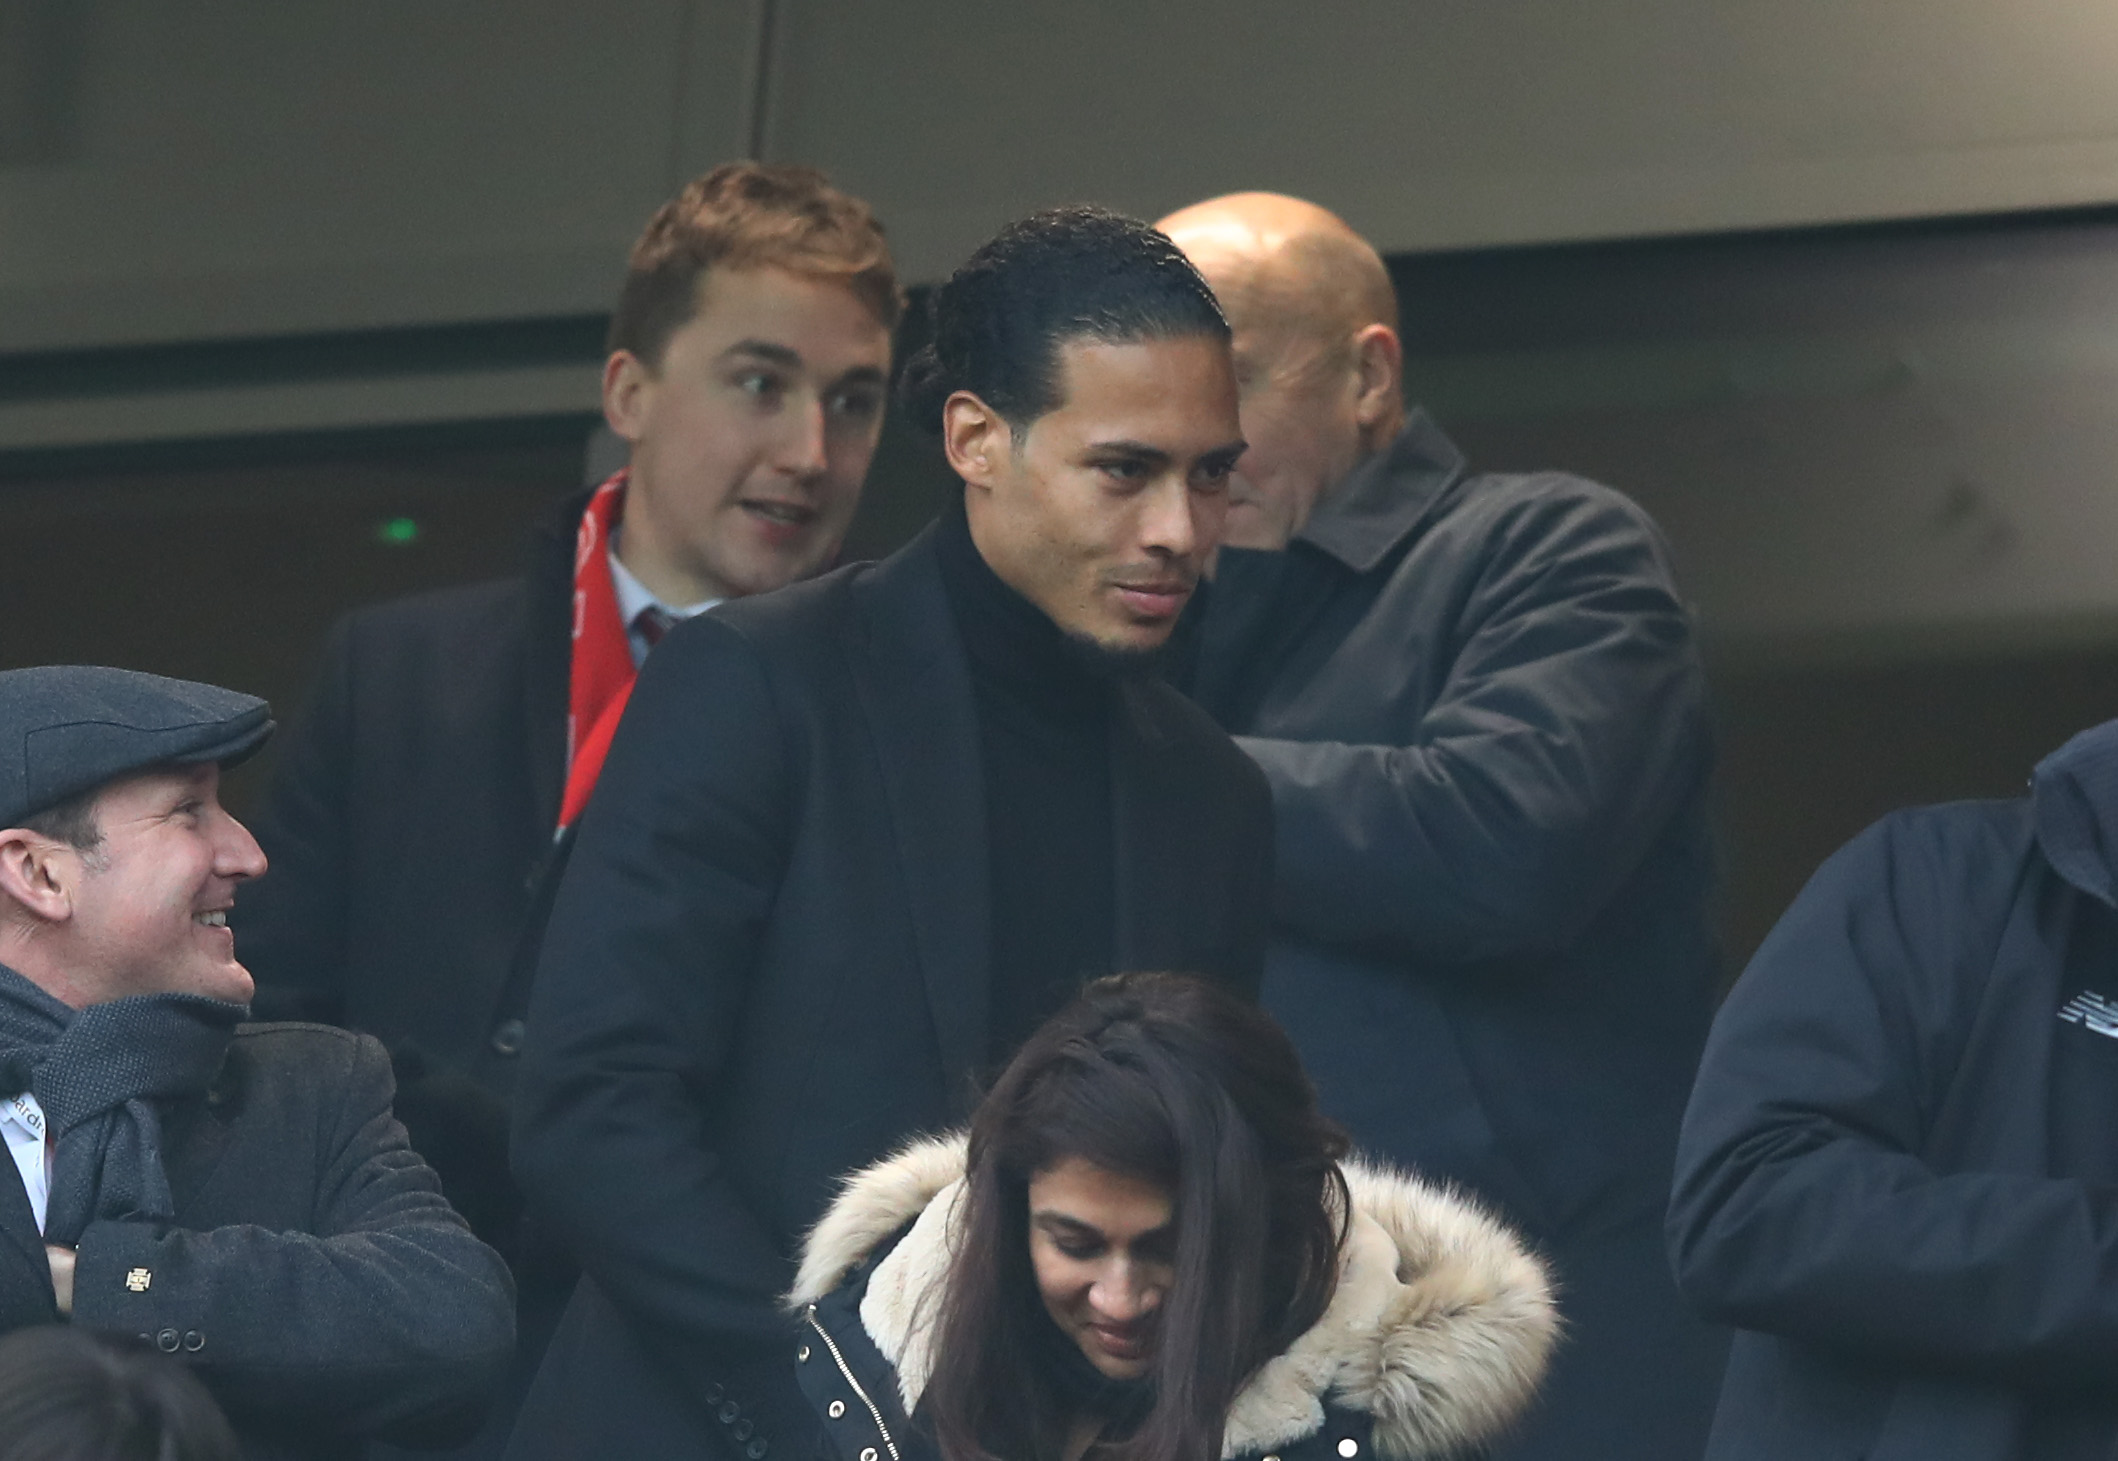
(1479, 704)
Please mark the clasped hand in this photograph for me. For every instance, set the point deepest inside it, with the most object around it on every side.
(62, 1276)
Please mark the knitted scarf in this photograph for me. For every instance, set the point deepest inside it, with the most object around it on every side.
(97, 1073)
(601, 672)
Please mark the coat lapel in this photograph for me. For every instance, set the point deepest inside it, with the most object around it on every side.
(18, 1222)
(914, 686)
(1386, 497)
(197, 1129)
(25, 1275)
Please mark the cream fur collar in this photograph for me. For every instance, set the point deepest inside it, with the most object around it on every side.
(1440, 1327)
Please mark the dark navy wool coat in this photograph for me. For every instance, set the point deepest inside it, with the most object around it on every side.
(407, 825)
(770, 962)
(1882, 1178)
(1479, 703)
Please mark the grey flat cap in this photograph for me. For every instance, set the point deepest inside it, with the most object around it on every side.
(67, 728)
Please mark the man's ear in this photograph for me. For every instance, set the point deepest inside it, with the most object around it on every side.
(976, 439)
(626, 384)
(38, 873)
(1379, 363)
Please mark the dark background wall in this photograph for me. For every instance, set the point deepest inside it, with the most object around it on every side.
(1878, 632)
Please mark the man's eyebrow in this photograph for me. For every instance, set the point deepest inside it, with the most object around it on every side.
(863, 375)
(178, 802)
(1139, 451)
(1224, 456)
(765, 350)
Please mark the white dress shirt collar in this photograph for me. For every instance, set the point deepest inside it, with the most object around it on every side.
(22, 1123)
(633, 596)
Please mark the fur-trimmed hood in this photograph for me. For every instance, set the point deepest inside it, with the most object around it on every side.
(1439, 1328)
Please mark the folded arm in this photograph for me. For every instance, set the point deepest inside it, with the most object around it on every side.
(1571, 723)
(385, 1318)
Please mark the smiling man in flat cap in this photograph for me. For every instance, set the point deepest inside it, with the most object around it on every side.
(236, 1194)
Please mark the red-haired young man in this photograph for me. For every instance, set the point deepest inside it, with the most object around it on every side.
(452, 735)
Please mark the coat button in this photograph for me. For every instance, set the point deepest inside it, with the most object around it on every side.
(756, 1449)
(507, 1039)
(714, 1394)
(743, 1430)
(867, 1453)
(1349, 1448)
(167, 1341)
(193, 1341)
(801, 1356)
(728, 1412)
(836, 1409)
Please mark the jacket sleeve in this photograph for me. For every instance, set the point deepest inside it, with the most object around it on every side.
(1571, 723)
(291, 923)
(1803, 1205)
(386, 1318)
(653, 939)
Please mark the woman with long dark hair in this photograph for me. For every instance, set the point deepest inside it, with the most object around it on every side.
(1152, 1247)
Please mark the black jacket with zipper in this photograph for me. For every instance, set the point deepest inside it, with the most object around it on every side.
(1896, 1174)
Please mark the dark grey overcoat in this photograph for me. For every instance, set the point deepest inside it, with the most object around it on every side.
(315, 1278)
(1479, 703)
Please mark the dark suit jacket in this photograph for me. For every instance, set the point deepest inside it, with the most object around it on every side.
(405, 828)
(769, 964)
(314, 1277)
(1479, 701)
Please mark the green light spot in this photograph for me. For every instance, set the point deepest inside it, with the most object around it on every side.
(398, 531)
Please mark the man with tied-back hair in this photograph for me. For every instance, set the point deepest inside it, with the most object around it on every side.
(856, 839)
(1479, 704)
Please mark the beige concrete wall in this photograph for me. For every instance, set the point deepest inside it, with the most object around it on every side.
(1443, 124)
(253, 166)
(244, 167)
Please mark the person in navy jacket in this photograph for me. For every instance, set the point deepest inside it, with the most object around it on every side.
(1897, 1173)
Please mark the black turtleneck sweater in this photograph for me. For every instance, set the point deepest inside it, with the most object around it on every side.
(1044, 724)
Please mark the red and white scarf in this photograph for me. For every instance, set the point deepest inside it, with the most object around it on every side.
(601, 678)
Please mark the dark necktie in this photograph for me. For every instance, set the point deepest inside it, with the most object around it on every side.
(652, 622)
